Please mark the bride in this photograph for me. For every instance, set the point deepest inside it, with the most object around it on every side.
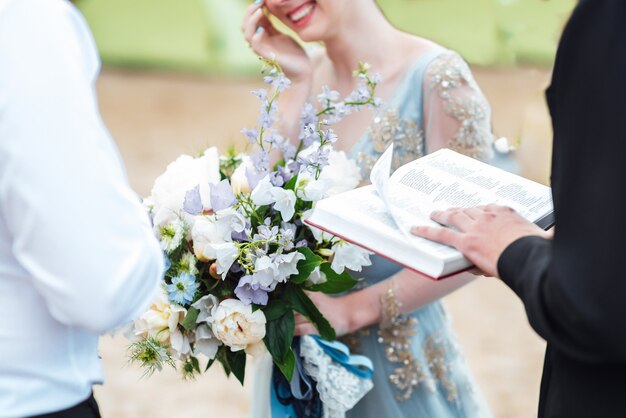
(431, 101)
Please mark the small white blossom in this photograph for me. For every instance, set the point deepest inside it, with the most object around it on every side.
(225, 253)
(316, 277)
(285, 202)
(261, 195)
(349, 256)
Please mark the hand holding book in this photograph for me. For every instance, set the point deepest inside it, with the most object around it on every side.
(480, 233)
(380, 217)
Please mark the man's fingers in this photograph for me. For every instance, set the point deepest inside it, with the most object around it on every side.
(456, 218)
(442, 235)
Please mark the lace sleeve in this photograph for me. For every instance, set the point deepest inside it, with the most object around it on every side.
(456, 113)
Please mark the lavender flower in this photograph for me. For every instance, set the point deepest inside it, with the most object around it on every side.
(249, 292)
(251, 134)
(261, 162)
(261, 94)
(309, 115)
(327, 96)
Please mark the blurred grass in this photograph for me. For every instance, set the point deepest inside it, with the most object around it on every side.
(204, 35)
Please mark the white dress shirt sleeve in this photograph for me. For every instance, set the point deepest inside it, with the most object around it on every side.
(76, 226)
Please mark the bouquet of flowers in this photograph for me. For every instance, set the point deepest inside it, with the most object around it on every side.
(239, 257)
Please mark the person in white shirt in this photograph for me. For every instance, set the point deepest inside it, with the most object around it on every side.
(77, 253)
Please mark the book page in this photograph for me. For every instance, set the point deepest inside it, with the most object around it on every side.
(445, 179)
(406, 209)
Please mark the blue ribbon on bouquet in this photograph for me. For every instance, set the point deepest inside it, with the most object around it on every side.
(301, 389)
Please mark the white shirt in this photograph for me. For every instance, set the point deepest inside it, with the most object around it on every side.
(77, 254)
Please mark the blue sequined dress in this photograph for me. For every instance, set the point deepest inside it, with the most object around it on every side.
(419, 369)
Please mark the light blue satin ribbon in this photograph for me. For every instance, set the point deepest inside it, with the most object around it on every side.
(360, 366)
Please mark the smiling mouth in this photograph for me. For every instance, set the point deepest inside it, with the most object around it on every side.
(302, 14)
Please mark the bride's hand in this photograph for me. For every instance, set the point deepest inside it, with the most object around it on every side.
(267, 42)
(334, 309)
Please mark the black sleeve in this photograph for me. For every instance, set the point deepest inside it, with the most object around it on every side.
(574, 287)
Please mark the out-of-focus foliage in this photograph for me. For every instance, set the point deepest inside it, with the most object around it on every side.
(204, 35)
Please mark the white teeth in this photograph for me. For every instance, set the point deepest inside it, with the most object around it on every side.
(302, 13)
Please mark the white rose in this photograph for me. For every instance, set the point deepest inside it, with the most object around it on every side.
(236, 325)
(182, 175)
(239, 180)
(161, 321)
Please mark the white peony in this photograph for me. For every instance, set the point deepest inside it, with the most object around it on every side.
(349, 256)
(182, 175)
(236, 325)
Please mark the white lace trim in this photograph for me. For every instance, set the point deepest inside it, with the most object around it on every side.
(339, 389)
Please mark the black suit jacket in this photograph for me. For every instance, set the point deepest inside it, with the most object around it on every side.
(574, 287)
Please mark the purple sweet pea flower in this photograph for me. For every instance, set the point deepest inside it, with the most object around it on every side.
(222, 195)
(249, 292)
(276, 179)
(193, 202)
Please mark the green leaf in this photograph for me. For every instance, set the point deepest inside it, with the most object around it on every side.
(222, 357)
(278, 336)
(305, 267)
(288, 366)
(189, 323)
(237, 362)
(336, 283)
(195, 363)
(275, 309)
(300, 302)
(209, 364)
(291, 184)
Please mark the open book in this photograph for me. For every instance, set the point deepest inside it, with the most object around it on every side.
(379, 217)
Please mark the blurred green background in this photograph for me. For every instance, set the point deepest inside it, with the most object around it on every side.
(204, 35)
